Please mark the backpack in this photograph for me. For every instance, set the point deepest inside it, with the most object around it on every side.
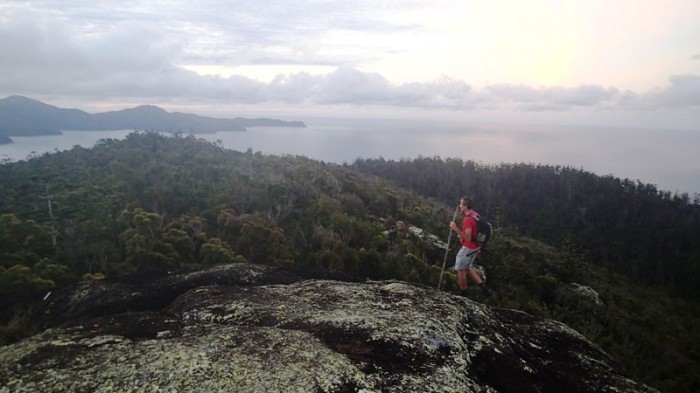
(483, 231)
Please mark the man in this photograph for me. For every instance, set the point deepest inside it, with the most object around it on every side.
(467, 254)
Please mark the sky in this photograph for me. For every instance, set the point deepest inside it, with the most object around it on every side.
(625, 63)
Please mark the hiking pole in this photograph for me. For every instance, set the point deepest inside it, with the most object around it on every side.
(447, 250)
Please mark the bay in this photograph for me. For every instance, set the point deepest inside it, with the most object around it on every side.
(665, 158)
(25, 147)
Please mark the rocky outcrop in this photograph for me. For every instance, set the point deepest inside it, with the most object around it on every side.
(577, 292)
(243, 328)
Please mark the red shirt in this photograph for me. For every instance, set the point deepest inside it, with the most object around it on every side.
(469, 223)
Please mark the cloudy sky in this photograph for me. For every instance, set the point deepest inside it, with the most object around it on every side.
(617, 62)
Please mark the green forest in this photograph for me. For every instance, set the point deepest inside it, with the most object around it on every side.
(152, 204)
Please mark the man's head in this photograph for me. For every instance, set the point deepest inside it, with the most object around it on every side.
(465, 203)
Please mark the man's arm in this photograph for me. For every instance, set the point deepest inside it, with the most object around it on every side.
(464, 235)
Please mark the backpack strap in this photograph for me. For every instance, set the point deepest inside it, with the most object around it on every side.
(474, 235)
(476, 221)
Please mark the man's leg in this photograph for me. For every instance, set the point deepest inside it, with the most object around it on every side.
(462, 278)
(474, 277)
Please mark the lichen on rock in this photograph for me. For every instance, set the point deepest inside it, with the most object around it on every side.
(248, 328)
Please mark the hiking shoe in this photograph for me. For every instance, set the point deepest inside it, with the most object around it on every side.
(486, 291)
(463, 293)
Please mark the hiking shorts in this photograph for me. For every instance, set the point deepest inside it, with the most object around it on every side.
(464, 260)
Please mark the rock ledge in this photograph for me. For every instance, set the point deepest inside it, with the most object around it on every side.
(245, 328)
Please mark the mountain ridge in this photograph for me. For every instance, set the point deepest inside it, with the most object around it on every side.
(23, 116)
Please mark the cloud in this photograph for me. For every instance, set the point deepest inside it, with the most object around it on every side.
(552, 98)
(696, 57)
(247, 32)
(42, 41)
(684, 91)
(349, 86)
(42, 55)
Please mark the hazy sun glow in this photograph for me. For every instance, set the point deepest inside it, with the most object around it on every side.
(511, 43)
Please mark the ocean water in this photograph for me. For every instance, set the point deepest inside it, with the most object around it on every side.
(26, 147)
(666, 158)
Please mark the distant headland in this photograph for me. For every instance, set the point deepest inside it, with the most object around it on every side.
(22, 116)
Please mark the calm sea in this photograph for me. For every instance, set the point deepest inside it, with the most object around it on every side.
(666, 158)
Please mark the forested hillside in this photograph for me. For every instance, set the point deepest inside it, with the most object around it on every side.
(151, 203)
(627, 226)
